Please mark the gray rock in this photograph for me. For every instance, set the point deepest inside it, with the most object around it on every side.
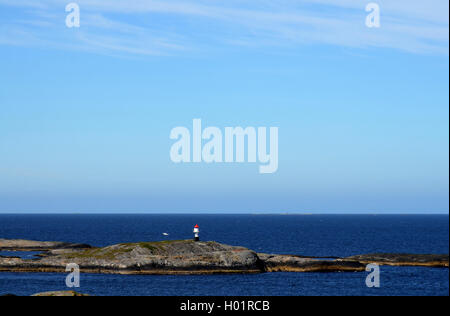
(290, 263)
(30, 245)
(60, 293)
(393, 259)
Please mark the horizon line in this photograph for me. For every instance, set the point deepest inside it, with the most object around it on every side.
(221, 213)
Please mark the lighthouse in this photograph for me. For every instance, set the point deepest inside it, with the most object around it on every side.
(196, 232)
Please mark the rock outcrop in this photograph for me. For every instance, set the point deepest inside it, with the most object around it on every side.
(289, 263)
(187, 257)
(169, 257)
(392, 259)
(60, 293)
(30, 245)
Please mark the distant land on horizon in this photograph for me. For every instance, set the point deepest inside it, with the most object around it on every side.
(222, 213)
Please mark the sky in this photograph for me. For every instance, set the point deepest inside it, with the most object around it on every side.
(86, 113)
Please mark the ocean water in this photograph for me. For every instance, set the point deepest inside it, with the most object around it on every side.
(309, 235)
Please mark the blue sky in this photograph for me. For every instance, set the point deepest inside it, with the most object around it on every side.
(85, 113)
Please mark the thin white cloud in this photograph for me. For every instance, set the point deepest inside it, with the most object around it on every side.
(432, 11)
(162, 27)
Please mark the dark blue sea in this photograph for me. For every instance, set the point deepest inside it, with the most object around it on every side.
(309, 235)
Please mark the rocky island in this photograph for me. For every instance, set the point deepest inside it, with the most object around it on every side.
(187, 257)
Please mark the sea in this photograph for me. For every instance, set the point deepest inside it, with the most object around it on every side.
(325, 236)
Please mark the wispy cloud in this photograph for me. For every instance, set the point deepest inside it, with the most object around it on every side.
(148, 27)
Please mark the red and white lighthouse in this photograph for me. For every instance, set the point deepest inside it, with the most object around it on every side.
(196, 233)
